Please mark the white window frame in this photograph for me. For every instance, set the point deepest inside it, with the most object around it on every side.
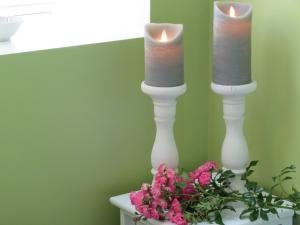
(25, 7)
(46, 26)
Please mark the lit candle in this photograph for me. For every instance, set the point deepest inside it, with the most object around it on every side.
(232, 43)
(164, 55)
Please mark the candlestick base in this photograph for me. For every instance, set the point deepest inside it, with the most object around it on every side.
(235, 154)
(164, 148)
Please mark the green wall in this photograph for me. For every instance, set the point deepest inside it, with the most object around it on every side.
(192, 113)
(272, 123)
(76, 129)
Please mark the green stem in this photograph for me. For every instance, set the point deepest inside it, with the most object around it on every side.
(282, 188)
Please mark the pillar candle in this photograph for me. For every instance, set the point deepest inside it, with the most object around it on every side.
(164, 55)
(232, 43)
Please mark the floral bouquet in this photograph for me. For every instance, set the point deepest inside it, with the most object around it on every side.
(203, 194)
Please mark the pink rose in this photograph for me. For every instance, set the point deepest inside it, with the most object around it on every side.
(156, 192)
(161, 169)
(203, 173)
(204, 178)
(175, 214)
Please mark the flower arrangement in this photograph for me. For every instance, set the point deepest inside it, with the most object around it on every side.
(203, 194)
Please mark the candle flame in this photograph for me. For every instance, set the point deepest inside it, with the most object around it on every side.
(232, 12)
(164, 36)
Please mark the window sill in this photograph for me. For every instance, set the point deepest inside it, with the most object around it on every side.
(51, 30)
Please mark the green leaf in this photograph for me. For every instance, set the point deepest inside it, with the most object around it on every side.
(181, 184)
(250, 199)
(269, 198)
(228, 174)
(260, 197)
(286, 178)
(186, 215)
(252, 164)
(291, 167)
(280, 202)
(254, 215)
(247, 195)
(185, 175)
(294, 190)
(286, 172)
(194, 220)
(276, 199)
(259, 189)
(244, 212)
(251, 185)
(218, 218)
(274, 211)
(274, 186)
(249, 172)
(229, 207)
(264, 215)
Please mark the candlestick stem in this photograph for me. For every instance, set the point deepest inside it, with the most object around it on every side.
(235, 154)
(164, 149)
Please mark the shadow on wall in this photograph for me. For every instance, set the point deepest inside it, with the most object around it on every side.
(279, 100)
(273, 122)
(276, 95)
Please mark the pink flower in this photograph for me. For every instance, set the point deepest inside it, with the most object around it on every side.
(145, 187)
(171, 174)
(203, 173)
(156, 191)
(204, 178)
(145, 211)
(161, 199)
(179, 219)
(143, 201)
(176, 206)
(189, 186)
(175, 214)
(149, 201)
(211, 165)
(136, 198)
(163, 203)
(154, 213)
(165, 179)
(162, 168)
(160, 180)
(158, 200)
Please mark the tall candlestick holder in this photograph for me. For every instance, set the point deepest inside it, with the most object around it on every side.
(164, 149)
(235, 154)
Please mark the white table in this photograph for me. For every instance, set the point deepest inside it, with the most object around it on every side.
(229, 218)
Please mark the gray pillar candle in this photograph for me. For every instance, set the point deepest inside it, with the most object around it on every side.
(232, 43)
(164, 55)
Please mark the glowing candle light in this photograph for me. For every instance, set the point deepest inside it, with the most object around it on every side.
(164, 36)
(232, 12)
(232, 43)
(164, 55)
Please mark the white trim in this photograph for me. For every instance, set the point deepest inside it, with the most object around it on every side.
(18, 3)
(28, 7)
(72, 26)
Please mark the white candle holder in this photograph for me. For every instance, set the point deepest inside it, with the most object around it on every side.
(164, 149)
(235, 154)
